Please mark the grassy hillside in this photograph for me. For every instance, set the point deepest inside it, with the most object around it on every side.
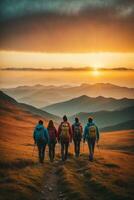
(25, 107)
(20, 175)
(109, 177)
(88, 104)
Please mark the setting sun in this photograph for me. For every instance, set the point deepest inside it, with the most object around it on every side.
(96, 71)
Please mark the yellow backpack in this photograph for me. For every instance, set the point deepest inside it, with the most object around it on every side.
(92, 131)
(65, 130)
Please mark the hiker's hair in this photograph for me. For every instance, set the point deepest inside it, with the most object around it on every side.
(50, 124)
(40, 122)
(76, 119)
(90, 119)
(65, 118)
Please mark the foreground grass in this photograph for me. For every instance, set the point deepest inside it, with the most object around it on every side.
(21, 179)
(109, 177)
(104, 179)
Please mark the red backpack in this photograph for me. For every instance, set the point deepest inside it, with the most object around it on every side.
(52, 133)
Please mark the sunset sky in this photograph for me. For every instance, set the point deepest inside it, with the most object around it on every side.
(66, 33)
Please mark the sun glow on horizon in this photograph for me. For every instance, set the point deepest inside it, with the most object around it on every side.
(96, 71)
(95, 60)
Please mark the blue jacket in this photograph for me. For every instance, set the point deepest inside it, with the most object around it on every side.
(44, 133)
(86, 131)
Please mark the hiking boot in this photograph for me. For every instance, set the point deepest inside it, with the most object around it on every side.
(42, 161)
(91, 158)
(51, 159)
(63, 159)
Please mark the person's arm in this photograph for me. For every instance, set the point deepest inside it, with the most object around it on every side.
(59, 132)
(85, 133)
(34, 135)
(81, 130)
(70, 132)
(56, 135)
(97, 133)
(46, 134)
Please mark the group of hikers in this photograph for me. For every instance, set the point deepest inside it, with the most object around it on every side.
(65, 135)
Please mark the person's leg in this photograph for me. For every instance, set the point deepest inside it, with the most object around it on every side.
(78, 147)
(90, 149)
(93, 146)
(50, 150)
(62, 150)
(43, 152)
(75, 147)
(39, 152)
(53, 151)
(66, 150)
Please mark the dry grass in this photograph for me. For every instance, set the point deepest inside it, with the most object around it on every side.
(21, 176)
(109, 177)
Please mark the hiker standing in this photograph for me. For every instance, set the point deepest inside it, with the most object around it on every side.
(41, 138)
(91, 135)
(77, 136)
(64, 137)
(52, 132)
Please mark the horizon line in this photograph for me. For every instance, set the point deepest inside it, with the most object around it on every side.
(64, 68)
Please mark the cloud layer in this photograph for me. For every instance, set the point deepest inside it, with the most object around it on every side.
(67, 26)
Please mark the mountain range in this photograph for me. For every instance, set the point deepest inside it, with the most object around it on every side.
(107, 118)
(88, 104)
(122, 126)
(13, 113)
(41, 96)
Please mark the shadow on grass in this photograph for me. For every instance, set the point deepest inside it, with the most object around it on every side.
(17, 164)
(111, 165)
(29, 145)
(104, 192)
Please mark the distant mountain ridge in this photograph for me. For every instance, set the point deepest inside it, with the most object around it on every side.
(88, 104)
(41, 96)
(128, 125)
(106, 118)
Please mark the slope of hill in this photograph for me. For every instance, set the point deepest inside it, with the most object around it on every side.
(85, 104)
(128, 125)
(39, 95)
(20, 175)
(7, 102)
(107, 118)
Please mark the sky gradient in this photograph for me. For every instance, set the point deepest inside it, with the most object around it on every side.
(67, 26)
(61, 26)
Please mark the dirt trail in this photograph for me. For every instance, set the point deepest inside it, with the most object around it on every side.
(50, 190)
(77, 178)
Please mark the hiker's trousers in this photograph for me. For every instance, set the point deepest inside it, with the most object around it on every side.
(41, 151)
(64, 149)
(77, 146)
(91, 145)
(52, 150)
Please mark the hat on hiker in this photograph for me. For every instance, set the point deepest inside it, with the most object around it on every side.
(40, 122)
(90, 119)
(76, 119)
(64, 118)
